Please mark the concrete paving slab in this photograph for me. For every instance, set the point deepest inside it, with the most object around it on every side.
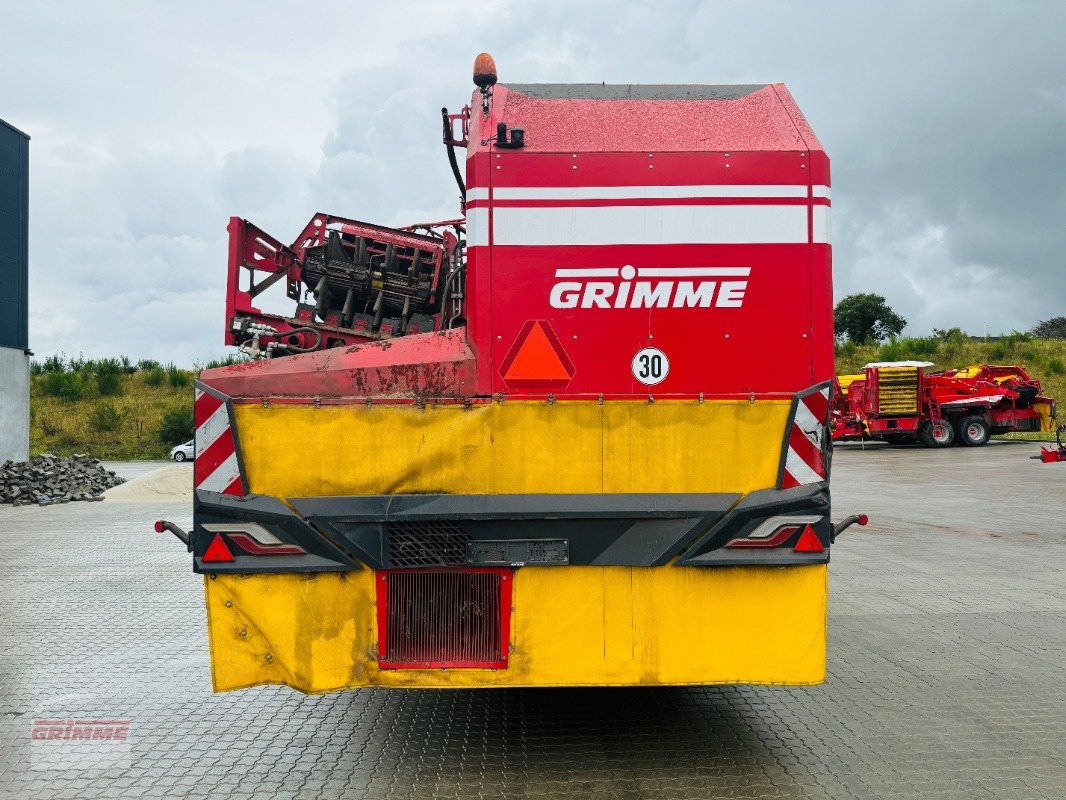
(947, 644)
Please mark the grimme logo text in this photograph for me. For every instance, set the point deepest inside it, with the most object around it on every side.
(80, 729)
(650, 287)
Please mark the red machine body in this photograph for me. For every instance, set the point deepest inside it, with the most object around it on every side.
(900, 401)
(585, 229)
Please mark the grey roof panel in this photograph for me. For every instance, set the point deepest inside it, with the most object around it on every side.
(635, 91)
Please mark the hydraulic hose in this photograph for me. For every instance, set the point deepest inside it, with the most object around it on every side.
(451, 156)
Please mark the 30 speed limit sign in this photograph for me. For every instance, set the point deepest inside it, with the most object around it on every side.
(651, 366)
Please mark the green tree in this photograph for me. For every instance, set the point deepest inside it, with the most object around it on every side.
(1054, 328)
(866, 319)
(177, 425)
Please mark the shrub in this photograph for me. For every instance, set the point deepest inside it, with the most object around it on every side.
(155, 376)
(1055, 366)
(845, 349)
(893, 350)
(77, 364)
(921, 347)
(178, 377)
(110, 384)
(177, 426)
(53, 364)
(998, 351)
(36, 368)
(127, 366)
(109, 376)
(104, 417)
(1011, 341)
(147, 365)
(950, 334)
(67, 385)
(228, 361)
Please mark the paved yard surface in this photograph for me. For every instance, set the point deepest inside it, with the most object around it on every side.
(947, 656)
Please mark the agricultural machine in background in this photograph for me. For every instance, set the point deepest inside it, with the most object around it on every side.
(1051, 456)
(899, 401)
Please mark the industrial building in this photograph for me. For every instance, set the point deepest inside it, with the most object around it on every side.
(14, 299)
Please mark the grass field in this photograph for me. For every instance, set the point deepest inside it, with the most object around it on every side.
(122, 426)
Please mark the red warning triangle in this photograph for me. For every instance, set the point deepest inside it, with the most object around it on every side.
(537, 358)
(217, 550)
(809, 541)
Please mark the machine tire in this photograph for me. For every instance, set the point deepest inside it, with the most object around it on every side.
(179, 456)
(946, 438)
(973, 431)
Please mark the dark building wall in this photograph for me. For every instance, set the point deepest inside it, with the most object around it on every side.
(14, 233)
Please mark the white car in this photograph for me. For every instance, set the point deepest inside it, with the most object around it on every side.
(183, 452)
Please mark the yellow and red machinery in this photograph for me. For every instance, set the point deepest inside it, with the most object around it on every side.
(528, 446)
(901, 401)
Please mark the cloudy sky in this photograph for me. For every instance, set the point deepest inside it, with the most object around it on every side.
(152, 123)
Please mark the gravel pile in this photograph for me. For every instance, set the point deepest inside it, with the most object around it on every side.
(49, 479)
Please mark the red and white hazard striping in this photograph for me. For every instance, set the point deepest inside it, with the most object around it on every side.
(217, 468)
(805, 458)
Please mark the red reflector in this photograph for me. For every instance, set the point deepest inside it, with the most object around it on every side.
(217, 550)
(809, 541)
(537, 358)
(863, 519)
(159, 526)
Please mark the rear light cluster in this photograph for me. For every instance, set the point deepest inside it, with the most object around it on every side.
(775, 531)
(252, 539)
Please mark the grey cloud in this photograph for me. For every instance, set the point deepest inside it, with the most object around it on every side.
(153, 123)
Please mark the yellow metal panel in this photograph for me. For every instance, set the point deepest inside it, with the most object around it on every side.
(512, 448)
(571, 626)
(1047, 422)
(846, 380)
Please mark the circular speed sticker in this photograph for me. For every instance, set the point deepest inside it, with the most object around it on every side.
(651, 366)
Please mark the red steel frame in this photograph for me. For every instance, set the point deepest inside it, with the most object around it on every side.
(382, 587)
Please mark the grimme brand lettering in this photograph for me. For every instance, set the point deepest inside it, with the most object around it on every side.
(649, 287)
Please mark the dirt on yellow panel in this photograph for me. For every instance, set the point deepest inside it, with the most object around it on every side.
(571, 626)
(512, 448)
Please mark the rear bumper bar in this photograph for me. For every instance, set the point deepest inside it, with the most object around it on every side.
(412, 531)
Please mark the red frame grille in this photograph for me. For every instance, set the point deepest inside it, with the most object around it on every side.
(440, 618)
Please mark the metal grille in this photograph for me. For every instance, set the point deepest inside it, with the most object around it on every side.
(425, 544)
(897, 390)
(441, 619)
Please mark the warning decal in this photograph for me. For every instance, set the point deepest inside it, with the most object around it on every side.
(537, 359)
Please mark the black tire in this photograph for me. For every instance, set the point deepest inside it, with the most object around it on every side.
(942, 436)
(179, 456)
(973, 431)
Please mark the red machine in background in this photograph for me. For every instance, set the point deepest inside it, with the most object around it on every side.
(899, 401)
(1052, 456)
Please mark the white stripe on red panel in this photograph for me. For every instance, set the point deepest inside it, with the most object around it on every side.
(800, 470)
(806, 464)
(223, 477)
(216, 425)
(642, 192)
(822, 232)
(649, 224)
(216, 467)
